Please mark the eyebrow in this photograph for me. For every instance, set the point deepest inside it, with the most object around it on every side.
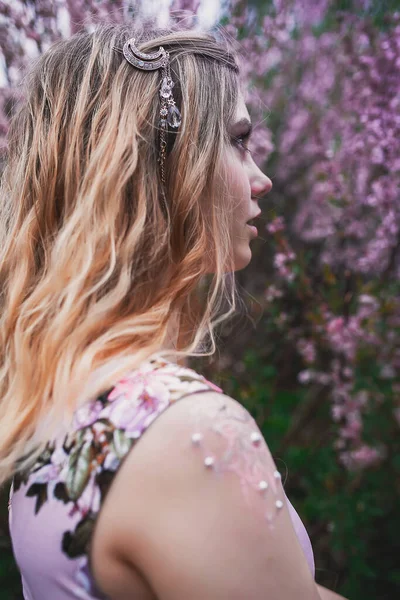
(244, 123)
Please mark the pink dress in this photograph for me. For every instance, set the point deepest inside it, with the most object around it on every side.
(54, 506)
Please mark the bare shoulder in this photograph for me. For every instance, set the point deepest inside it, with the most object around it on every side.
(200, 493)
(203, 433)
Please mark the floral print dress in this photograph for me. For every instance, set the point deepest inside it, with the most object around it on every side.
(54, 505)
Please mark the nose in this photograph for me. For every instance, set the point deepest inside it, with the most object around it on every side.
(260, 183)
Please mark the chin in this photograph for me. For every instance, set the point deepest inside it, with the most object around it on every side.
(243, 258)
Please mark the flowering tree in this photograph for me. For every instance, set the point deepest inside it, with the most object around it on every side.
(329, 86)
(322, 87)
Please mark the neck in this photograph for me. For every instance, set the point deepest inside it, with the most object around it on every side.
(172, 339)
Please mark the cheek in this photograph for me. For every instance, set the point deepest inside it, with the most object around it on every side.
(234, 188)
(236, 177)
(239, 190)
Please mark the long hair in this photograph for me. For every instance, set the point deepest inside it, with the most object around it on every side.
(93, 262)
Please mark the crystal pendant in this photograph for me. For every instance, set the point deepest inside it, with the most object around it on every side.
(174, 117)
(166, 88)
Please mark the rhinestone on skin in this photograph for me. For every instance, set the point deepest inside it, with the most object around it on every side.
(196, 438)
(262, 485)
(255, 438)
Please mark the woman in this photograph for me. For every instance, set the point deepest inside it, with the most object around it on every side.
(127, 191)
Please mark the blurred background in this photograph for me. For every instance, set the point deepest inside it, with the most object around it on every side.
(314, 353)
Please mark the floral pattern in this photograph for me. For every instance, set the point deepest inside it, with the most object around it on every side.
(79, 469)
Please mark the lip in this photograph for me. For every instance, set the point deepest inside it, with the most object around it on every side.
(254, 217)
(251, 218)
(253, 229)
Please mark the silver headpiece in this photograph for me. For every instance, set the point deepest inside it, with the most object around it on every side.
(169, 113)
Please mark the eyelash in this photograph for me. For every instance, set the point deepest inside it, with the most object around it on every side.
(240, 141)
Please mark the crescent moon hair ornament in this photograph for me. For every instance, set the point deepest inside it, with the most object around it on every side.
(141, 60)
(169, 113)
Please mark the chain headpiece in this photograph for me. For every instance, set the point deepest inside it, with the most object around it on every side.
(169, 112)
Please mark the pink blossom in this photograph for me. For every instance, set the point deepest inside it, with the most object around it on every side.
(307, 349)
(278, 224)
(272, 292)
(362, 457)
(305, 376)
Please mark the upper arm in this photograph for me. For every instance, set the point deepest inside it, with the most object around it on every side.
(201, 532)
(326, 594)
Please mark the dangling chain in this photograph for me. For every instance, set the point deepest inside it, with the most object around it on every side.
(169, 113)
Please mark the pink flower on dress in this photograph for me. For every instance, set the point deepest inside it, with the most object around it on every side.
(135, 402)
(87, 414)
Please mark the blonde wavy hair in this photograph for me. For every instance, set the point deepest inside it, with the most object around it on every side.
(93, 262)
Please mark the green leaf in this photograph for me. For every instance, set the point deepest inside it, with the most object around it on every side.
(121, 443)
(79, 469)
